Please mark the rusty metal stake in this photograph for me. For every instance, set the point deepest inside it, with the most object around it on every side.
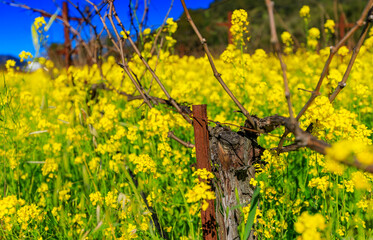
(65, 16)
(201, 136)
(228, 24)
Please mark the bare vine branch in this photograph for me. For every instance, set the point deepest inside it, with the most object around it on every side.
(182, 142)
(356, 50)
(161, 27)
(119, 48)
(144, 15)
(303, 139)
(216, 73)
(173, 102)
(333, 51)
(286, 27)
(276, 44)
(124, 64)
(97, 37)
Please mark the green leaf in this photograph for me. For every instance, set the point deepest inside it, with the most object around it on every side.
(250, 218)
(51, 20)
(237, 196)
(35, 39)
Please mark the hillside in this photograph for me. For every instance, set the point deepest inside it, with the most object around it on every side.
(286, 15)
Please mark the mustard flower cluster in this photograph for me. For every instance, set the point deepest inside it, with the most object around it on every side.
(111, 199)
(64, 195)
(287, 41)
(39, 22)
(159, 124)
(144, 163)
(28, 215)
(9, 64)
(346, 151)
(329, 26)
(271, 225)
(146, 31)
(8, 207)
(320, 183)
(334, 77)
(201, 192)
(124, 34)
(14, 212)
(171, 26)
(343, 51)
(362, 181)
(49, 168)
(203, 174)
(25, 55)
(313, 35)
(228, 55)
(309, 226)
(304, 12)
(332, 124)
(239, 26)
(275, 162)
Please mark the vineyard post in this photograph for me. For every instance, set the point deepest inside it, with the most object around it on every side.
(342, 25)
(228, 24)
(201, 136)
(67, 50)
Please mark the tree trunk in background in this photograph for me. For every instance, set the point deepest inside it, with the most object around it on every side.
(232, 155)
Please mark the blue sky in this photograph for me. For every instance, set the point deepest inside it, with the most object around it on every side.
(15, 23)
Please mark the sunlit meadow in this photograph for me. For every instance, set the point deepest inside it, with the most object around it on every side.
(77, 164)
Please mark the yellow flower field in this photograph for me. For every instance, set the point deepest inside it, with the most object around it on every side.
(82, 161)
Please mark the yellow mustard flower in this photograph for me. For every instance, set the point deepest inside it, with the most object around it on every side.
(239, 26)
(39, 22)
(146, 31)
(304, 12)
(124, 34)
(309, 226)
(343, 51)
(10, 63)
(171, 26)
(329, 26)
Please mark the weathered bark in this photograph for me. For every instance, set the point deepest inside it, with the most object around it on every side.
(233, 155)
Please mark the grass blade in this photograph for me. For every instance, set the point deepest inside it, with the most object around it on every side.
(51, 20)
(250, 218)
(35, 39)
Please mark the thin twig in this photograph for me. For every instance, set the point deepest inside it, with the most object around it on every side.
(121, 43)
(288, 148)
(94, 28)
(182, 142)
(276, 44)
(173, 102)
(133, 16)
(161, 28)
(356, 50)
(144, 15)
(131, 97)
(124, 64)
(284, 25)
(155, 68)
(216, 73)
